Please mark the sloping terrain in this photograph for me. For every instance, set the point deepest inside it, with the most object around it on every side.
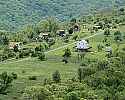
(15, 13)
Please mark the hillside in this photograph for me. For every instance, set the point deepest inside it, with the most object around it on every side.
(16, 13)
(80, 59)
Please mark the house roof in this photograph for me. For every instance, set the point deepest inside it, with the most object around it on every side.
(83, 44)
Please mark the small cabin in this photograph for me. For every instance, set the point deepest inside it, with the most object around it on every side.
(13, 44)
(61, 33)
(44, 36)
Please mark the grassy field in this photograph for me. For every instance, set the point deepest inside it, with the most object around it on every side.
(44, 69)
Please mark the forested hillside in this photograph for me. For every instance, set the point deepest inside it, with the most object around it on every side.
(16, 13)
(79, 59)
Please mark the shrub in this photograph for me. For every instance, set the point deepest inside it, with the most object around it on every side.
(11, 54)
(118, 36)
(21, 54)
(107, 32)
(34, 54)
(72, 96)
(23, 71)
(80, 74)
(32, 78)
(51, 42)
(100, 47)
(67, 53)
(56, 76)
(83, 72)
(46, 81)
(75, 37)
(14, 75)
(66, 39)
(37, 93)
(42, 56)
(40, 48)
(5, 82)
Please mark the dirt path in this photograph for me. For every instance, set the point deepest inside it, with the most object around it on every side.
(24, 59)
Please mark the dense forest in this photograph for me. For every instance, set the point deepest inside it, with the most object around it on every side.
(17, 13)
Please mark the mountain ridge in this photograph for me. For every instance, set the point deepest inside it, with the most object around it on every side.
(16, 13)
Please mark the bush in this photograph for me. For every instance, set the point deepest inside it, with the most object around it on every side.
(14, 75)
(100, 47)
(32, 78)
(118, 36)
(51, 42)
(72, 96)
(37, 93)
(75, 37)
(23, 71)
(83, 72)
(11, 54)
(5, 82)
(56, 76)
(46, 81)
(67, 53)
(107, 32)
(66, 39)
(42, 56)
(21, 54)
(40, 48)
(34, 54)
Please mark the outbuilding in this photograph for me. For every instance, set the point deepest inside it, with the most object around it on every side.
(61, 33)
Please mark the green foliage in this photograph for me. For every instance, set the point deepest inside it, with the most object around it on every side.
(14, 75)
(117, 36)
(84, 71)
(42, 56)
(72, 96)
(100, 47)
(75, 37)
(49, 25)
(67, 53)
(5, 81)
(66, 38)
(23, 12)
(37, 93)
(4, 39)
(80, 74)
(56, 76)
(107, 32)
(32, 78)
(39, 48)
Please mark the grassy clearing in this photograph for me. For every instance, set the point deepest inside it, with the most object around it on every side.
(34, 67)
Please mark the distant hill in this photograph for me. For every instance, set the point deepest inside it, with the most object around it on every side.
(16, 13)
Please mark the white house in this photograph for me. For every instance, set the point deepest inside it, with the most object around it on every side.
(82, 45)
